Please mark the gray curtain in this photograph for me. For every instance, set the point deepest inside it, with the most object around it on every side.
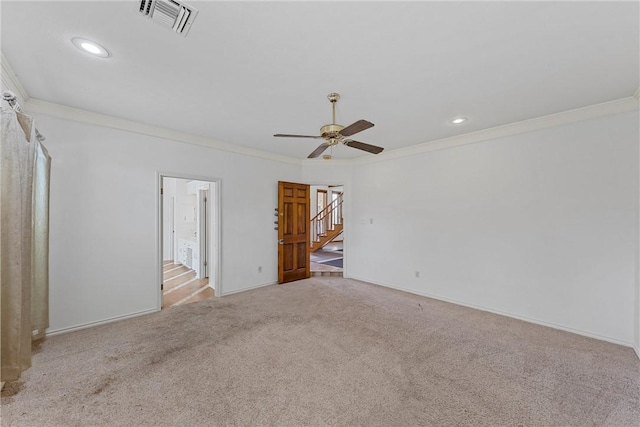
(24, 198)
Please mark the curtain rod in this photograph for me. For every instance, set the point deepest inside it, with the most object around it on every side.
(12, 100)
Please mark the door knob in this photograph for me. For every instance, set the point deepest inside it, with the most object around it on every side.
(281, 242)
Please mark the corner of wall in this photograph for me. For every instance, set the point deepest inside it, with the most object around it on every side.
(636, 95)
(636, 344)
(11, 82)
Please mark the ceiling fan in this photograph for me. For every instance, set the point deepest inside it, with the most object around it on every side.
(334, 134)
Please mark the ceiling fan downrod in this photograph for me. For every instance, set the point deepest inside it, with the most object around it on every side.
(333, 97)
(332, 132)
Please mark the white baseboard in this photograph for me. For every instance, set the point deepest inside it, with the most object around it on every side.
(59, 331)
(249, 288)
(98, 322)
(507, 314)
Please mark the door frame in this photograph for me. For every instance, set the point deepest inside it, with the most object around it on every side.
(216, 241)
(172, 220)
(203, 232)
(346, 220)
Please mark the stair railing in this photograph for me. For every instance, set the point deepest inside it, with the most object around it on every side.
(326, 219)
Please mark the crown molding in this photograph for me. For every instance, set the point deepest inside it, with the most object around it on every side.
(585, 113)
(32, 105)
(617, 106)
(320, 162)
(10, 79)
(74, 114)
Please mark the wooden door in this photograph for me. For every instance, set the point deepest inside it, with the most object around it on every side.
(293, 231)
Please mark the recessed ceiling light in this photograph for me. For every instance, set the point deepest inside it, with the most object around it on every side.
(458, 120)
(90, 47)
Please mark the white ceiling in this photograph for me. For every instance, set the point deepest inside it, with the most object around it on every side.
(248, 70)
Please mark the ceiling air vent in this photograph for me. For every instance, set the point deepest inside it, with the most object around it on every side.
(169, 13)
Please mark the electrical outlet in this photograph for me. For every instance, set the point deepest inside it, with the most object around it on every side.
(417, 274)
(259, 269)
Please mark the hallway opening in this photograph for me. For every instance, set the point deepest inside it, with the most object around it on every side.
(327, 240)
(189, 240)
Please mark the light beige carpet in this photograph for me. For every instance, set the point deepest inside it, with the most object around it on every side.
(325, 351)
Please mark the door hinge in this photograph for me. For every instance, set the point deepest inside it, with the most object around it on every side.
(162, 286)
(205, 263)
(162, 191)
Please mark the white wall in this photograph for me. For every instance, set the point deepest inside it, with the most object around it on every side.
(541, 225)
(186, 211)
(104, 254)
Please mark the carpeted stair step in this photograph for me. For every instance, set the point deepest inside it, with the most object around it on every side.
(326, 274)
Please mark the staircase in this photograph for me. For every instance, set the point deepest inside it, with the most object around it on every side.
(327, 225)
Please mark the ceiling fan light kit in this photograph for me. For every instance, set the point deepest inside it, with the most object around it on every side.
(333, 134)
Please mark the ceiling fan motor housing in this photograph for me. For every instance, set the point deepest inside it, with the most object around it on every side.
(331, 131)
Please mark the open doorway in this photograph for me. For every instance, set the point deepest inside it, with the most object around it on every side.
(189, 235)
(327, 232)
